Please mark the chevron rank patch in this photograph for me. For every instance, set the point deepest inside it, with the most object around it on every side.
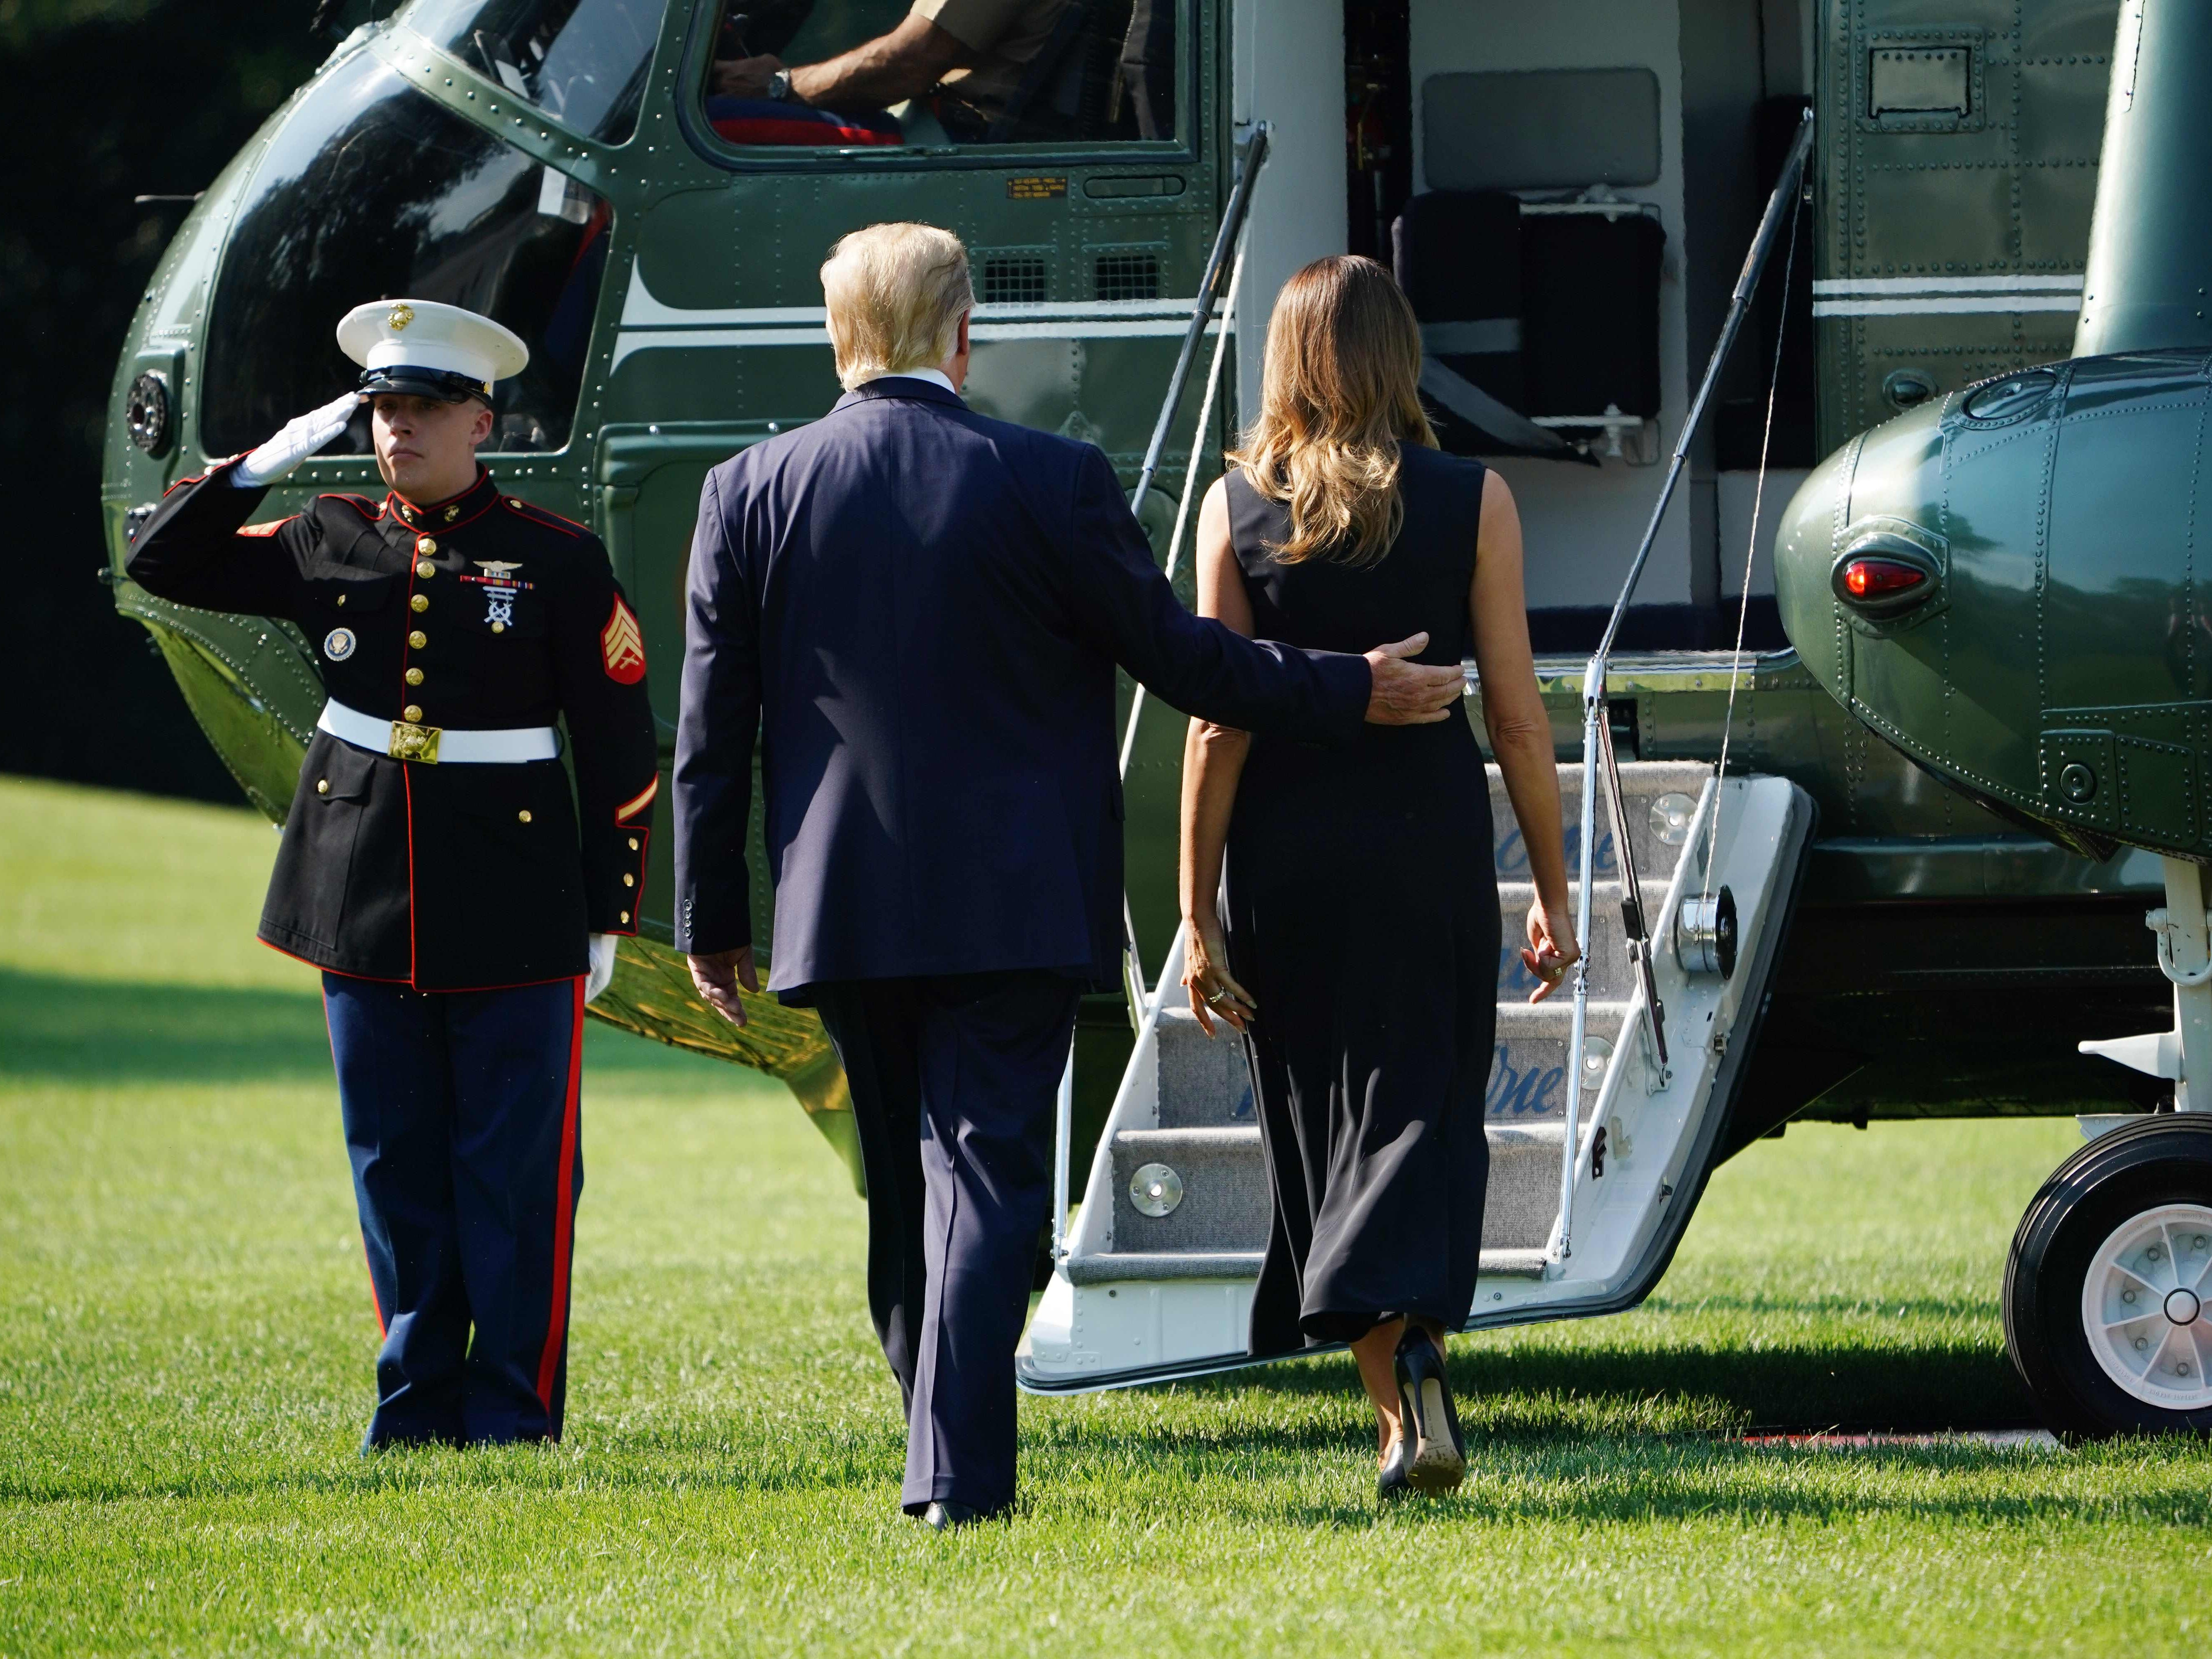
(621, 646)
(269, 528)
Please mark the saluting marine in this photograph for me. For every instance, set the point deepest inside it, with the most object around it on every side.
(433, 865)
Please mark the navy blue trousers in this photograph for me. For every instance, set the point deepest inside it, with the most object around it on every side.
(952, 1081)
(460, 1111)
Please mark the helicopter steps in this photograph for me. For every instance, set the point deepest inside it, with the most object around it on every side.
(1165, 1247)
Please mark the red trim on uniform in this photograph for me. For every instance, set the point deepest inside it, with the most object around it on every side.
(564, 1209)
(383, 1325)
(531, 510)
(393, 500)
(360, 504)
(638, 802)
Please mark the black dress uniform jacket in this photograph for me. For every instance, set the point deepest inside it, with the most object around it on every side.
(478, 613)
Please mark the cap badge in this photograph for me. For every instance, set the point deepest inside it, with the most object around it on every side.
(338, 644)
(399, 316)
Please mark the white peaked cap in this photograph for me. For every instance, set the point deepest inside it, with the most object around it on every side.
(424, 334)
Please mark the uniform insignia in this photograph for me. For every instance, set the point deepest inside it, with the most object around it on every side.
(269, 529)
(498, 568)
(499, 613)
(623, 646)
(399, 316)
(338, 644)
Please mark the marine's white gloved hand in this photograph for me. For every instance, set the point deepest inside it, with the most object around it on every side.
(602, 965)
(302, 437)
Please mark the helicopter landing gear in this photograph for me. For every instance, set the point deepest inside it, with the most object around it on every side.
(2108, 1288)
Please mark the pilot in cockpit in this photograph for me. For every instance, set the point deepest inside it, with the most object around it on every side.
(961, 71)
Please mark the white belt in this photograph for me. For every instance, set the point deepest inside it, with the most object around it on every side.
(405, 740)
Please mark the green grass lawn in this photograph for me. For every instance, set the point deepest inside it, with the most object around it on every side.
(186, 1336)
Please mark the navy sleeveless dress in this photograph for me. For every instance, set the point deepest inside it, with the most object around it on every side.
(1362, 914)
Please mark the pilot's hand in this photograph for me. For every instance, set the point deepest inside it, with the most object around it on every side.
(719, 975)
(742, 77)
(1550, 950)
(1410, 693)
(602, 972)
(302, 437)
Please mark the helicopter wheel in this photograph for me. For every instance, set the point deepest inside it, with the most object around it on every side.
(2108, 1288)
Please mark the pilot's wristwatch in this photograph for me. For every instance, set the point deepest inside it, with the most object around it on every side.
(779, 85)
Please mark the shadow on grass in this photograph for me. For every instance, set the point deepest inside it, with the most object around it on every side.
(59, 1029)
(1539, 1394)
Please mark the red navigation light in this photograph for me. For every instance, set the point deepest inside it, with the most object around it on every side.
(1880, 579)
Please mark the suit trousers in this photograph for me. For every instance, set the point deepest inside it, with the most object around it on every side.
(953, 1080)
(460, 1111)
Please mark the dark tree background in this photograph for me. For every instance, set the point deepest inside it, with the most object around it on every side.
(108, 100)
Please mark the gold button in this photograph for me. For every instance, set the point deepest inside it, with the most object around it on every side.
(523, 816)
(425, 546)
(420, 602)
(633, 843)
(410, 713)
(414, 677)
(629, 881)
(417, 640)
(322, 785)
(625, 916)
(514, 501)
(341, 598)
(424, 568)
(499, 628)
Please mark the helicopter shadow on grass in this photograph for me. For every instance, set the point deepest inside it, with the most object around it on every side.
(59, 1029)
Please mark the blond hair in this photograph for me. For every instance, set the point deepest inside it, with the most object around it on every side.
(895, 293)
(1338, 395)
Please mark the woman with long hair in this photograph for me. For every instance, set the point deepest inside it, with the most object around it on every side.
(1362, 905)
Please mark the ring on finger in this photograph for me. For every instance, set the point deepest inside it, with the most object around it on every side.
(1217, 996)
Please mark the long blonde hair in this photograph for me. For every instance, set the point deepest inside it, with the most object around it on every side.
(1338, 396)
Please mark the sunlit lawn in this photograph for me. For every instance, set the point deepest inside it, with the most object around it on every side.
(186, 1337)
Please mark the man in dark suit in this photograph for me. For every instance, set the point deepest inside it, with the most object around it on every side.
(921, 609)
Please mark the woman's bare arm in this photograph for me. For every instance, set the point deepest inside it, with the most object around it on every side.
(1212, 761)
(1521, 730)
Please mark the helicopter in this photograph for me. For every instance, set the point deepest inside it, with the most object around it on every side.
(1567, 194)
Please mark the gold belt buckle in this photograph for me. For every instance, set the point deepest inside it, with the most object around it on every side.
(410, 742)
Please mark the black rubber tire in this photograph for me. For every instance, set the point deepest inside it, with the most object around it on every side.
(2164, 1159)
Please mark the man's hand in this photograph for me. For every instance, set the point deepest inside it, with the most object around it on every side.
(302, 437)
(742, 77)
(718, 977)
(1410, 693)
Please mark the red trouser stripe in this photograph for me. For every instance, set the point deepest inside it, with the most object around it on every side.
(564, 1207)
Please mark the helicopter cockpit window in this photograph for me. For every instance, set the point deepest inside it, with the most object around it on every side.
(583, 62)
(371, 191)
(867, 73)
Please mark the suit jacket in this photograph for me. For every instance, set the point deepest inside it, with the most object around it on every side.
(483, 612)
(920, 611)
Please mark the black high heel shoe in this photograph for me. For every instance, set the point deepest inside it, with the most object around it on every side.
(1436, 1460)
(1390, 1482)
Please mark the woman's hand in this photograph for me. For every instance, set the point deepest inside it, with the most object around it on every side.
(1206, 976)
(1550, 950)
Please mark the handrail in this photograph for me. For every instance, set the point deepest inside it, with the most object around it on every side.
(1232, 220)
(1594, 707)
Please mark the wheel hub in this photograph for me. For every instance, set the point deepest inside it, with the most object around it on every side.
(2142, 1302)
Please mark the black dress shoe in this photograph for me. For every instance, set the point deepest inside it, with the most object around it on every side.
(1430, 1424)
(1390, 1482)
(945, 1515)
